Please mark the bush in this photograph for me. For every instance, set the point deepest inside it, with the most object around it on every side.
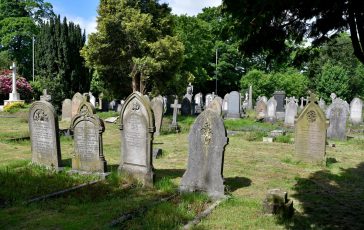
(23, 87)
(13, 107)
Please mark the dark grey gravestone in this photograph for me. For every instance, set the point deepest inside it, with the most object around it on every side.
(44, 135)
(137, 129)
(67, 110)
(157, 153)
(337, 113)
(207, 140)
(279, 96)
(271, 110)
(87, 130)
(157, 105)
(234, 108)
(356, 108)
(186, 106)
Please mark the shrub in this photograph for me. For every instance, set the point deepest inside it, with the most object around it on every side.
(13, 107)
(22, 85)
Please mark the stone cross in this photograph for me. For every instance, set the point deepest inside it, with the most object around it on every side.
(14, 95)
(175, 106)
(45, 96)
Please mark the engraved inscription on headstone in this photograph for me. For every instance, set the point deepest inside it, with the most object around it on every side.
(137, 129)
(234, 106)
(44, 135)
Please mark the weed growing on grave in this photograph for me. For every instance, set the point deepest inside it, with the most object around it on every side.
(284, 139)
(104, 115)
(165, 185)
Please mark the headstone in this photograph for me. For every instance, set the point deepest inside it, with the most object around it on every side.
(101, 95)
(77, 99)
(207, 140)
(271, 110)
(234, 108)
(45, 96)
(198, 98)
(158, 108)
(322, 104)
(337, 113)
(279, 96)
(208, 98)
(310, 133)
(87, 130)
(263, 98)
(250, 100)
(137, 128)
(291, 112)
(44, 135)
(67, 110)
(189, 92)
(92, 99)
(356, 108)
(276, 202)
(261, 109)
(304, 101)
(186, 106)
(225, 103)
(216, 105)
(175, 106)
(165, 101)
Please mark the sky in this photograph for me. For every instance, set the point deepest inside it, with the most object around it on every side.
(83, 12)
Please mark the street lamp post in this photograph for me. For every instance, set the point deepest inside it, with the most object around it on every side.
(33, 56)
(216, 73)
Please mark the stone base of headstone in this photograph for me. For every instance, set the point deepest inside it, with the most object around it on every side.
(270, 119)
(280, 115)
(233, 116)
(101, 175)
(277, 132)
(277, 203)
(140, 173)
(12, 101)
(90, 166)
(157, 153)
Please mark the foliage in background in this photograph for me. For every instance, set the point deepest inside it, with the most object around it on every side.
(6, 83)
(13, 107)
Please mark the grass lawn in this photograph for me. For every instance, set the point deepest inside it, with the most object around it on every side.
(327, 196)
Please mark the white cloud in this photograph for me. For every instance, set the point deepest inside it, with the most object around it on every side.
(190, 7)
(88, 24)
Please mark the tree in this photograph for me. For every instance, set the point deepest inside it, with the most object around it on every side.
(133, 42)
(266, 25)
(18, 24)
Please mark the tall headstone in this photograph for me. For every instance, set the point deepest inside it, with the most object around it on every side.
(261, 109)
(67, 110)
(356, 108)
(175, 106)
(87, 130)
(44, 135)
(337, 113)
(291, 111)
(250, 100)
(279, 96)
(234, 108)
(137, 129)
(77, 99)
(310, 133)
(198, 98)
(207, 140)
(271, 110)
(157, 105)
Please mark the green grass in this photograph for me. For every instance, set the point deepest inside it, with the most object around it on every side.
(325, 196)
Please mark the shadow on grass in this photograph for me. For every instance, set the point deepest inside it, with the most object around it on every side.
(234, 183)
(171, 173)
(330, 201)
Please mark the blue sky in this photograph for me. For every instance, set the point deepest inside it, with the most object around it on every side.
(83, 12)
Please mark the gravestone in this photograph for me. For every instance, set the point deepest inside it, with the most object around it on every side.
(279, 96)
(87, 130)
(158, 107)
(356, 107)
(310, 133)
(44, 135)
(175, 106)
(77, 99)
(92, 99)
(45, 96)
(207, 140)
(271, 110)
(67, 110)
(208, 98)
(216, 105)
(225, 103)
(137, 129)
(260, 110)
(198, 98)
(322, 104)
(250, 100)
(291, 112)
(186, 106)
(337, 113)
(234, 108)
(14, 96)
(165, 101)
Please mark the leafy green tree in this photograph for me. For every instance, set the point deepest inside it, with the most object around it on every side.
(260, 81)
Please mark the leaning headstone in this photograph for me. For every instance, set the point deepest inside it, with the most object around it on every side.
(337, 113)
(137, 129)
(356, 108)
(291, 112)
(77, 99)
(234, 108)
(175, 106)
(310, 133)
(67, 110)
(271, 110)
(158, 108)
(260, 110)
(207, 140)
(87, 130)
(44, 135)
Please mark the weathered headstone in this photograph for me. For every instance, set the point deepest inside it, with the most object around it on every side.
(310, 133)
(234, 108)
(322, 104)
(225, 103)
(356, 108)
(216, 105)
(44, 135)
(77, 99)
(87, 130)
(157, 107)
(175, 106)
(261, 109)
(207, 140)
(271, 110)
(67, 110)
(337, 113)
(291, 112)
(137, 128)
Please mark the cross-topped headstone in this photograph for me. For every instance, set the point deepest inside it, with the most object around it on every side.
(312, 98)
(45, 96)
(175, 106)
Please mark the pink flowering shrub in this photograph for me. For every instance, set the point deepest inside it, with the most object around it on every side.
(22, 85)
